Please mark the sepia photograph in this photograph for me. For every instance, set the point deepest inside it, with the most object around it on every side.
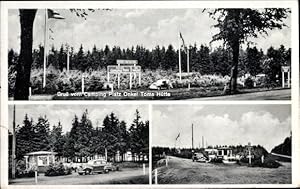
(78, 144)
(221, 144)
(149, 54)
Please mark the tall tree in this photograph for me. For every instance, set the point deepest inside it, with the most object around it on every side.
(236, 26)
(62, 59)
(25, 60)
(139, 142)
(41, 138)
(24, 135)
(56, 139)
(254, 59)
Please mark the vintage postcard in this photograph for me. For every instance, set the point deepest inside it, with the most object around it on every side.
(150, 94)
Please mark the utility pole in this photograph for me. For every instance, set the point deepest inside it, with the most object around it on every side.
(13, 171)
(192, 136)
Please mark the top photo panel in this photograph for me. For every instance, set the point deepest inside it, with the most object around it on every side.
(149, 54)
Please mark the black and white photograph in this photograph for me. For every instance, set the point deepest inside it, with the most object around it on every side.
(149, 94)
(78, 144)
(149, 54)
(221, 144)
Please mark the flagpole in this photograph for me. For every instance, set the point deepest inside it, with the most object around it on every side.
(179, 58)
(68, 59)
(188, 65)
(188, 60)
(14, 145)
(45, 50)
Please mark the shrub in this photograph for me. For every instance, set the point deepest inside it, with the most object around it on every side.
(57, 169)
(21, 171)
(249, 83)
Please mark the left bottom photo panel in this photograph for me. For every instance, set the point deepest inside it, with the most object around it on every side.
(61, 144)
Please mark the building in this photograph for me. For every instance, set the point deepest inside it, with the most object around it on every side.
(40, 159)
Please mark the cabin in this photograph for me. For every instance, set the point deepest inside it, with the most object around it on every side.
(40, 159)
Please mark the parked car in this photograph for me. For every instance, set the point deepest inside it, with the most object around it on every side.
(97, 166)
(161, 84)
(199, 157)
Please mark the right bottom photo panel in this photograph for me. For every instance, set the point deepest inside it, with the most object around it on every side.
(221, 144)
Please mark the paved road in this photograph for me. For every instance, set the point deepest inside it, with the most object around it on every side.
(283, 94)
(125, 176)
(185, 171)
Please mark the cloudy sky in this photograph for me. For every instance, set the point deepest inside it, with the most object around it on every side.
(65, 113)
(266, 125)
(130, 27)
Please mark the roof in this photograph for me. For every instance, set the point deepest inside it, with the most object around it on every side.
(41, 153)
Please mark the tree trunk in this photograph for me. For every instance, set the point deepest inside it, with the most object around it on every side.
(25, 60)
(234, 70)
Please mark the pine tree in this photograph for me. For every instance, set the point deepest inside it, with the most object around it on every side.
(62, 59)
(24, 135)
(56, 139)
(41, 138)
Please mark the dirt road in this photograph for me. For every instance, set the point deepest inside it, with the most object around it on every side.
(184, 171)
(283, 94)
(125, 176)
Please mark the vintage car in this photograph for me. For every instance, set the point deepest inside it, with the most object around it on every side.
(97, 166)
(161, 84)
(199, 157)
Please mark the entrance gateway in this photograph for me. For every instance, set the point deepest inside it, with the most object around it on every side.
(125, 67)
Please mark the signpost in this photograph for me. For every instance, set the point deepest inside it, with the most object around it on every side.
(286, 69)
(249, 155)
(125, 67)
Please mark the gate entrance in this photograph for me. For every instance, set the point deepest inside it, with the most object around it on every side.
(125, 67)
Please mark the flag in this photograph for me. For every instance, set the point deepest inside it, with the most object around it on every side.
(54, 14)
(181, 39)
(183, 44)
(177, 136)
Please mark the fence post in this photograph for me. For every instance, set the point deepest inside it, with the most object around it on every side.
(144, 168)
(167, 161)
(35, 177)
(82, 84)
(155, 176)
(262, 159)
(29, 91)
(130, 81)
(112, 87)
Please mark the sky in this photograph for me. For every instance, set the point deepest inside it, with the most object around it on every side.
(266, 125)
(65, 113)
(131, 27)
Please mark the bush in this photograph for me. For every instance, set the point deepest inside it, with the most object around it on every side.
(62, 81)
(21, 171)
(249, 83)
(269, 162)
(57, 169)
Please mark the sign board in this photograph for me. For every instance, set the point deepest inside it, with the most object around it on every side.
(124, 69)
(128, 62)
(285, 68)
(136, 69)
(127, 67)
(114, 69)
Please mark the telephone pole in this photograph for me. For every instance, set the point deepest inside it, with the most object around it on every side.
(192, 136)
